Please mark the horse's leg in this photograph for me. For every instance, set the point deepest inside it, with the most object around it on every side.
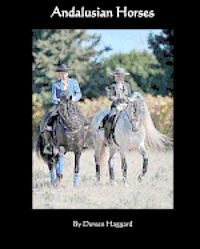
(111, 164)
(124, 168)
(50, 165)
(145, 161)
(59, 168)
(76, 168)
(99, 155)
(59, 150)
(97, 167)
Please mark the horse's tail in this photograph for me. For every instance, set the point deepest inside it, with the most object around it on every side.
(154, 139)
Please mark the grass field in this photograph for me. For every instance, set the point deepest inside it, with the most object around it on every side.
(154, 192)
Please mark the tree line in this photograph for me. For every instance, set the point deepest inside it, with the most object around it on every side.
(149, 72)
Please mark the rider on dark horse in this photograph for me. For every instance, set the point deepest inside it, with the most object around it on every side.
(119, 92)
(71, 88)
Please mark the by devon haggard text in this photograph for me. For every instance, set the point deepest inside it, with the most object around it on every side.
(107, 223)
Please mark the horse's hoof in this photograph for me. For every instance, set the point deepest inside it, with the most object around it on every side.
(113, 183)
(139, 178)
(97, 183)
(59, 176)
(54, 183)
(76, 179)
(126, 184)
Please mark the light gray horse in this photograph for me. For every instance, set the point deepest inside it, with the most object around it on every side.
(134, 129)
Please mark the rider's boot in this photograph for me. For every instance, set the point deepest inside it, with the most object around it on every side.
(108, 130)
(102, 125)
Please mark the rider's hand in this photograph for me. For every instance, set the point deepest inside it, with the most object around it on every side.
(72, 98)
(57, 101)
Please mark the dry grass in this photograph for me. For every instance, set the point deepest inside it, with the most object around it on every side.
(154, 192)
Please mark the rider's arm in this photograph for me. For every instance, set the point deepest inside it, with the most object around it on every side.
(111, 92)
(76, 94)
(129, 96)
(129, 90)
(54, 99)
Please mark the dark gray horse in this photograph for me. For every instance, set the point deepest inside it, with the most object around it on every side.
(68, 134)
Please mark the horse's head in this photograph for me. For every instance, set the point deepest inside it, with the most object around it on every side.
(64, 97)
(68, 112)
(65, 102)
(135, 111)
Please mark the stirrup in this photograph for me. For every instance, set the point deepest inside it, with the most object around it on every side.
(47, 150)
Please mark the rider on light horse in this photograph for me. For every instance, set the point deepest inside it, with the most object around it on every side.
(119, 92)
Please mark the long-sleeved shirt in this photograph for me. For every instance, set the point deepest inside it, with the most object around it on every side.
(73, 90)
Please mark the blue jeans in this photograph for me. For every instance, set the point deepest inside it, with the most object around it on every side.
(59, 166)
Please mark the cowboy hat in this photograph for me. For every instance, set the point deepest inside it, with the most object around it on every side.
(119, 71)
(63, 68)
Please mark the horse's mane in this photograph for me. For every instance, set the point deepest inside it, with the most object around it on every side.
(69, 116)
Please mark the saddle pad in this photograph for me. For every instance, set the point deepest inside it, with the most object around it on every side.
(45, 119)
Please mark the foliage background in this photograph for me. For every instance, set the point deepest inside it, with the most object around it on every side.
(151, 74)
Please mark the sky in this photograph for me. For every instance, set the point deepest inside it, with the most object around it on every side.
(123, 40)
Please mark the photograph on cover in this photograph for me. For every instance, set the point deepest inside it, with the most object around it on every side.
(102, 119)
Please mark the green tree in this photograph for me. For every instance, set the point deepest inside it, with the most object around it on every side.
(70, 46)
(95, 87)
(163, 49)
(145, 74)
